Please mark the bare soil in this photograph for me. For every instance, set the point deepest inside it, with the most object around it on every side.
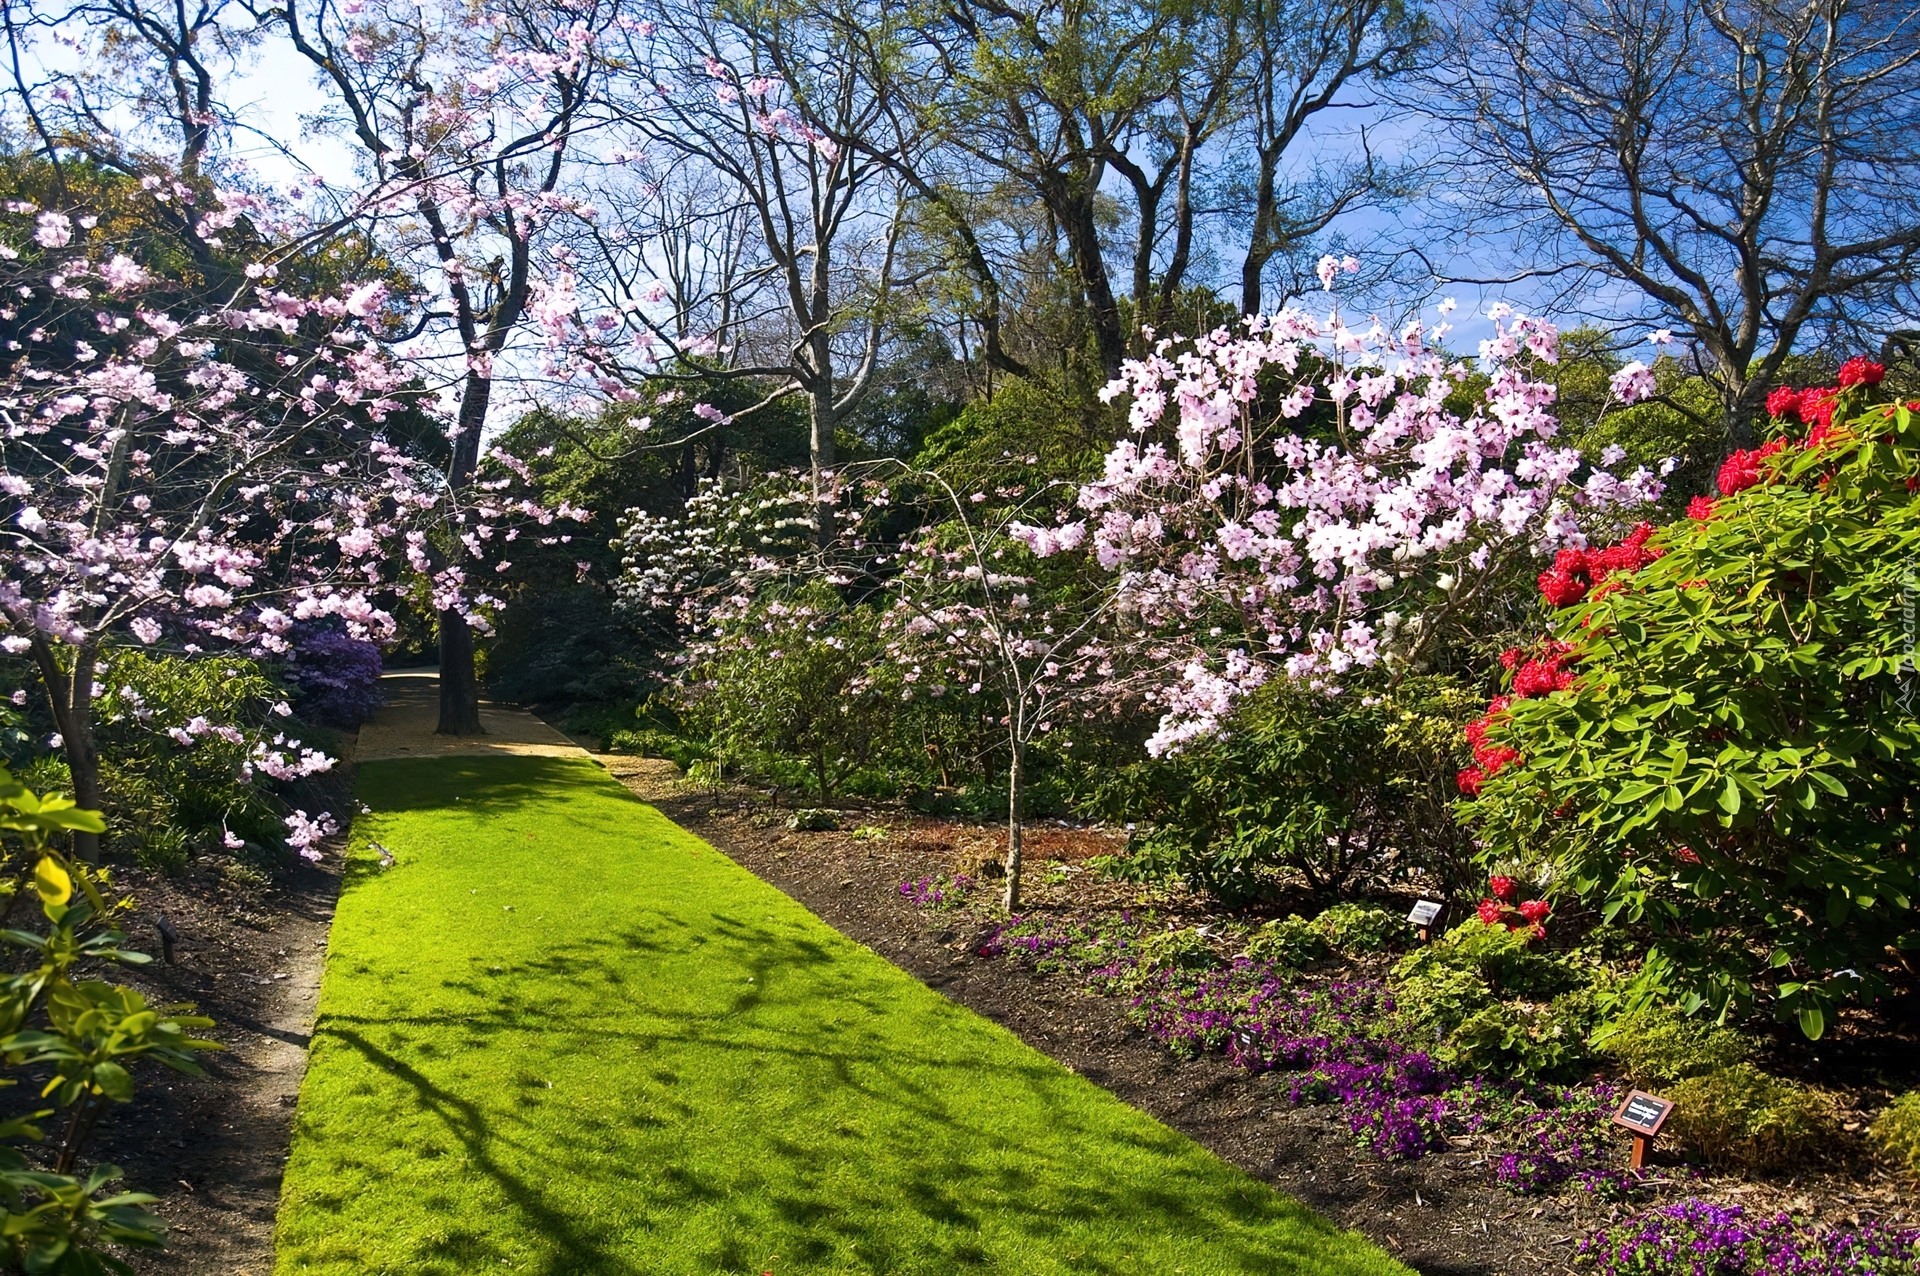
(1441, 1215)
(248, 954)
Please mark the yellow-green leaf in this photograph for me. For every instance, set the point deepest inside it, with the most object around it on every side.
(52, 882)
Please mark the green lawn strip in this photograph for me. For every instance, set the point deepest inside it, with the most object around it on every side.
(561, 1035)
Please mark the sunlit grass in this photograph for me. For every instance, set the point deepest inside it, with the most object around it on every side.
(561, 1035)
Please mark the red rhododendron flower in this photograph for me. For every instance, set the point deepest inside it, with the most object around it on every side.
(1860, 370)
(1470, 781)
(1576, 571)
(1687, 855)
(1571, 562)
(1825, 433)
(1742, 470)
(1561, 589)
(1536, 910)
(1510, 657)
(1701, 508)
(1783, 400)
(1816, 406)
(1502, 888)
(1493, 757)
(1538, 677)
(1492, 912)
(1738, 473)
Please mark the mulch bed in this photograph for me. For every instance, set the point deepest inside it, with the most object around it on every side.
(248, 954)
(1440, 1214)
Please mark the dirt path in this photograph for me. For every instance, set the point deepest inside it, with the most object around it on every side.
(404, 728)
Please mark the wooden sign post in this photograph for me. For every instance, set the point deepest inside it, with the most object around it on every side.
(1643, 1114)
(1423, 916)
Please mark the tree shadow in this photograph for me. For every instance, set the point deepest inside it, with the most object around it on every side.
(868, 1124)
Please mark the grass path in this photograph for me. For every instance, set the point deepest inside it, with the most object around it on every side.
(562, 1036)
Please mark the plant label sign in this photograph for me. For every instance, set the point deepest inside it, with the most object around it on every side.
(1644, 1113)
(1423, 913)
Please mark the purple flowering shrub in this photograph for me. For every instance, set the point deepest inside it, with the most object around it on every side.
(336, 678)
(1099, 950)
(1697, 1238)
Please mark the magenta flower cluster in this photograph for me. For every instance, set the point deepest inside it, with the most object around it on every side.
(1698, 1238)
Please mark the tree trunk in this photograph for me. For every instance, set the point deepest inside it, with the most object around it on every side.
(459, 688)
(70, 695)
(820, 453)
(459, 684)
(1081, 227)
(1265, 240)
(1016, 795)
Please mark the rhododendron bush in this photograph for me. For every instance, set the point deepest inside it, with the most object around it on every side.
(1311, 495)
(1305, 786)
(1720, 743)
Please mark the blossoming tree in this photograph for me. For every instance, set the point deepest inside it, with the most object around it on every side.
(465, 124)
(1313, 496)
(203, 478)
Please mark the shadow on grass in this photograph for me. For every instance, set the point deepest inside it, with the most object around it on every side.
(724, 1117)
(943, 1125)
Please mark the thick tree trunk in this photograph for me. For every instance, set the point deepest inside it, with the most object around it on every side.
(1016, 813)
(1082, 230)
(459, 688)
(1265, 240)
(821, 451)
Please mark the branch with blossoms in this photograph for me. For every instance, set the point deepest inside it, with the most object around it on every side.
(204, 475)
(970, 614)
(1301, 496)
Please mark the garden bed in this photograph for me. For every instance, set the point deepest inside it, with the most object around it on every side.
(1441, 1213)
(248, 954)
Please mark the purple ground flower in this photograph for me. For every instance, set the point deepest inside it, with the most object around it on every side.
(1699, 1238)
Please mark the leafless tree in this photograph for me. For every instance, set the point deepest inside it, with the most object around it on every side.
(758, 104)
(134, 87)
(1306, 57)
(1748, 171)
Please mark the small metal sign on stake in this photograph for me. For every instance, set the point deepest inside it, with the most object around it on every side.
(1423, 916)
(1643, 1114)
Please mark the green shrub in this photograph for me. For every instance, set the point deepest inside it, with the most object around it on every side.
(78, 1038)
(1896, 1132)
(1302, 786)
(784, 689)
(650, 742)
(1292, 941)
(1355, 930)
(1742, 1118)
(1523, 1039)
(1656, 1047)
(812, 820)
(1736, 770)
(1481, 998)
(167, 800)
(1505, 959)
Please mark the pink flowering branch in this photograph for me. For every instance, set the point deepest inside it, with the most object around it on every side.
(1304, 492)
